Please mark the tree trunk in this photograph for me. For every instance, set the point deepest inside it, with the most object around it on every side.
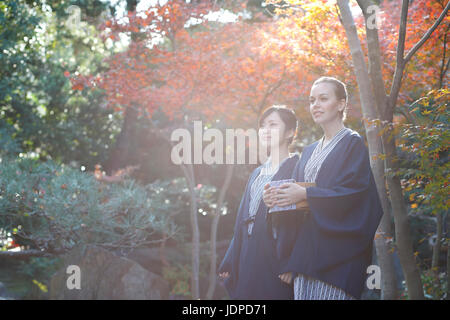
(188, 170)
(383, 246)
(437, 249)
(403, 237)
(437, 246)
(385, 260)
(402, 229)
(448, 257)
(214, 225)
(369, 109)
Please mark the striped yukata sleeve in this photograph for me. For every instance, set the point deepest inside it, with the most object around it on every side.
(306, 288)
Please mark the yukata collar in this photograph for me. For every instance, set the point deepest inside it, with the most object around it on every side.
(267, 167)
(321, 140)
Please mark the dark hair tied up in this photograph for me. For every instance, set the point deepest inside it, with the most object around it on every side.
(287, 116)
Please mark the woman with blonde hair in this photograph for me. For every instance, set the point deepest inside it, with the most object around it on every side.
(330, 250)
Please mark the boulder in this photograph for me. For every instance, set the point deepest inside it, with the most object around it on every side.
(106, 276)
(149, 258)
(4, 295)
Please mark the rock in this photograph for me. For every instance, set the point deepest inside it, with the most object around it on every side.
(149, 258)
(4, 295)
(106, 276)
(2, 290)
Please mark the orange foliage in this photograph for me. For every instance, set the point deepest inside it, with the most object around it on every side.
(234, 70)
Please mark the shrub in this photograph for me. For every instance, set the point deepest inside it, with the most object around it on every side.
(52, 208)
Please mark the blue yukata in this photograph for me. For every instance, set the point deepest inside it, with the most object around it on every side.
(252, 257)
(330, 249)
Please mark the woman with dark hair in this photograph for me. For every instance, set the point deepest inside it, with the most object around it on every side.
(330, 250)
(250, 266)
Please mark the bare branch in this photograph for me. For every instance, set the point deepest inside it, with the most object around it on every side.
(444, 66)
(400, 64)
(26, 254)
(402, 32)
(428, 34)
(213, 239)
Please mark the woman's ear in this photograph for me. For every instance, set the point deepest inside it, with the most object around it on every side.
(290, 134)
(341, 106)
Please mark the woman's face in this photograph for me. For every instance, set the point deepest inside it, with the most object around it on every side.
(271, 127)
(324, 106)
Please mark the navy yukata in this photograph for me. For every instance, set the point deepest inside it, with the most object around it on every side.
(334, 242)
(251, 259)
(331, 243)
